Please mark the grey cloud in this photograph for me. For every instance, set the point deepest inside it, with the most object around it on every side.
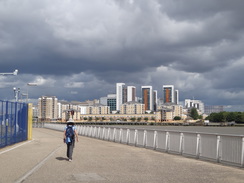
(195, 45)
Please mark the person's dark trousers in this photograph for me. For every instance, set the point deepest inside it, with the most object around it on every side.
(70, 147)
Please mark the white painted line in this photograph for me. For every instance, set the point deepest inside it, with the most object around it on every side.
(37, 166)
(16, 146)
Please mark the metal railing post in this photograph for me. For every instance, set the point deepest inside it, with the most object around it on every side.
(218, 149)
(145, 139)
(114, 134)
(242, 153)
(155, 140)
(127, 136)
(120, 135)
(198, 146)
(167, 142)
(181, 143)
(136, 137)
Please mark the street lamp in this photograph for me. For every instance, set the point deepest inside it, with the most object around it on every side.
(32, 84)
(10, 73)
(16, 93)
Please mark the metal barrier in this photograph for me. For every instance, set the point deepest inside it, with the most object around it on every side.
(224, 149)
(14, 122)
(38, 124)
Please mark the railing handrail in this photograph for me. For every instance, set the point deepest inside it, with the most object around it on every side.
(225, 149)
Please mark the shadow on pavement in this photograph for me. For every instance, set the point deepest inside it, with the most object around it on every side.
(62, 158)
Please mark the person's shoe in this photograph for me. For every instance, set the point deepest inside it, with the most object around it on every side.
(70, 159)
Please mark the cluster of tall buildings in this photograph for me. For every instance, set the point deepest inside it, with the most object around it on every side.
(148, 97)
(123, 102)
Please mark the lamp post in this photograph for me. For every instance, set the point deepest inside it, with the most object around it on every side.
(10, 73)
(16, 93)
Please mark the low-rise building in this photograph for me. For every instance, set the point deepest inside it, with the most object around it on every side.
(132, 107)
(98, 109)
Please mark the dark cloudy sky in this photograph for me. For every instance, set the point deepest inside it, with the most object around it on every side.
(79, 49)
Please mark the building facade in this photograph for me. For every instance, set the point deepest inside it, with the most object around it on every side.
(47, 108)
(120, 91)
(111, 102)
(147, 97)
(176, 100)
(169, 111)
(132, 108)
(198, 104)
(155, 99)
(168, 94)
(98, 109)
(131, 93)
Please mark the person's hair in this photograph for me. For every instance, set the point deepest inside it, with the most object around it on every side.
(70, 124)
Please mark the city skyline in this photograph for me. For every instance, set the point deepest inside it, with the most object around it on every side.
(195, 46)
(125, 89)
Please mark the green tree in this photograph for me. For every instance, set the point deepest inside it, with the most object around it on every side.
(194, 113)
(132, 119)
(223, 116)
(146, 118)
(177, 118)
(90, 119)
(231, 116)
(240, 117)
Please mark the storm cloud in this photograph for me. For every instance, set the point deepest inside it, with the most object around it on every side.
(78, 50)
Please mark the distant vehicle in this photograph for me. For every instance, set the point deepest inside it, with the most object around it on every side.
(232, 123)
(206, 122)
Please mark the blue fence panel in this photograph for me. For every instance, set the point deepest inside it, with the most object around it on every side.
(13, 122)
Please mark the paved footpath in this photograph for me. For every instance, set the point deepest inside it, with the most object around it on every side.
(95, 161)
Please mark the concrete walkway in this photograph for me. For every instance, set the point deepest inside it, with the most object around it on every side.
(95, 161)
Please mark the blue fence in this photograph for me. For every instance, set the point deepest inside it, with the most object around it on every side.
(13, 122)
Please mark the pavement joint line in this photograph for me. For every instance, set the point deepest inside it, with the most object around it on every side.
(39, 165)
(16, 146)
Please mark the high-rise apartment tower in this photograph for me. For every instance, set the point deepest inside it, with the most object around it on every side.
(147, 97)
(119, 95)
(168, 94)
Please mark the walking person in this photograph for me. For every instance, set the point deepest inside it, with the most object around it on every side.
(70, 134)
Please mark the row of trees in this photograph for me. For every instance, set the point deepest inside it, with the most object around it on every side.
(219, 117)
(122, 119)
(226, 117)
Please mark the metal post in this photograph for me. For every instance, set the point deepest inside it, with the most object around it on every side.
(114, 134)
(218, 147)
(242, 153)
(181, 143)
(120, 135)
(155, 140)
(167, 142)
(127, 136)
(198, 146)
(136, 137)
(145, 139)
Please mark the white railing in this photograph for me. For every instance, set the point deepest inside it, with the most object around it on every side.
(225, 149)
